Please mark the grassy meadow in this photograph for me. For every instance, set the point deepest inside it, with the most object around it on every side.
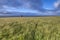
(30, 28)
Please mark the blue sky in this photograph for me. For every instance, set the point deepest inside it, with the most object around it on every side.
(48, 4)
(31, 6)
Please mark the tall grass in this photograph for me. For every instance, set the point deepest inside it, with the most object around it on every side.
(30, 28)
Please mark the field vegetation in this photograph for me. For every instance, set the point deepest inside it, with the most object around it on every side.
(30, 28)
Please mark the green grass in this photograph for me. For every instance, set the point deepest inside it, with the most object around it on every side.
(30, 28)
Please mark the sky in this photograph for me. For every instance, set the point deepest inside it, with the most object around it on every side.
(46, 4)
(49, 4)
(31, 6)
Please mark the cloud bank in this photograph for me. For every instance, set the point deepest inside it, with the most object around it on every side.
(30, 4)
(27, 6)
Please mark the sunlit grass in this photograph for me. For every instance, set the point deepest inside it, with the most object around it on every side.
(30, 28)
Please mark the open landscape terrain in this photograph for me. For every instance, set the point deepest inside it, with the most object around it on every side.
(30, 28)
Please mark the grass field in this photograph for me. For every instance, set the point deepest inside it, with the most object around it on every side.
(30, 28)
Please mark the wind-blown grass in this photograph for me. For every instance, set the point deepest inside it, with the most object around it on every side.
(30, 28)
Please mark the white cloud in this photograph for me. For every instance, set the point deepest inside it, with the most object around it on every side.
(30, 4)
(14, 9)
(57, 3)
